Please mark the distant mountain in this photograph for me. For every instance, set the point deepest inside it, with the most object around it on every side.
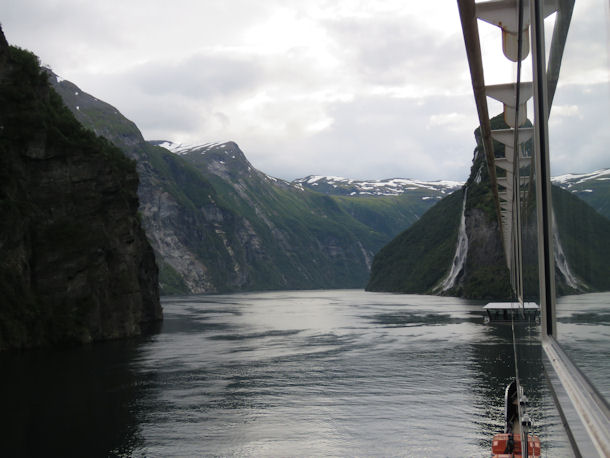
(386, 212)
(375, 219)
(391, 187)
(218, 224)
(300, 238)
(593, 188)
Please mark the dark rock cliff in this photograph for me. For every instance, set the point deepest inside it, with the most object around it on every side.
(75, 265)
(421, 259)
(484, 275)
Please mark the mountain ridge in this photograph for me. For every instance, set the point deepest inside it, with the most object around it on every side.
(340, 185)
(218, 224)
(584, 185)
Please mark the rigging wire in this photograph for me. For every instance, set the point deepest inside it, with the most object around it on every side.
(517, 166)
(521, 417)
(516, 237)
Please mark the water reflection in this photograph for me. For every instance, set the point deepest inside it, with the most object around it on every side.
(583, 327)
(494, 359)
(70, 402)
(281, 374)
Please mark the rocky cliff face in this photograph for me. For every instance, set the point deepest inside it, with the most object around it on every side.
(283, 236)
(484, 275)
(217, 224)
(481, 274)
(169, 210)
(75, 265)
(423, 258)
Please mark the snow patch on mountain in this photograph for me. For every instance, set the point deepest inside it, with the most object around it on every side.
(388, 187)
(182, 148)
(570, 179)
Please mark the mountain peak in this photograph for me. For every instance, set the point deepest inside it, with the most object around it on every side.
(226, 159)
(202, 148)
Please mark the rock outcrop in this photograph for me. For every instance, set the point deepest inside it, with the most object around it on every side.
(75, 264)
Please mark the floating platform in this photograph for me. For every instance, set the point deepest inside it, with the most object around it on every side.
(505, 312)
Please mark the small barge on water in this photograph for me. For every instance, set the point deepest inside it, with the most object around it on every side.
(505, 312)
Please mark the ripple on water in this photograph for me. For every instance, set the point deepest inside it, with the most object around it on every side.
(306, 373)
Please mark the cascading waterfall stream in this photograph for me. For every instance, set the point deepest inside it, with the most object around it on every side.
(562, 262)
(460, 253)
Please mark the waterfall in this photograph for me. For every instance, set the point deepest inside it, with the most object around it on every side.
(460, 253)
(562, 262)
(477, 179)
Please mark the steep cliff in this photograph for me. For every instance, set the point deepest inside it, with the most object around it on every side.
(439, 255)
(484, 274)
(425, 259)
(75, 265)
(218, 224)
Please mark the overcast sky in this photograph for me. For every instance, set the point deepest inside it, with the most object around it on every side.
(360, 89)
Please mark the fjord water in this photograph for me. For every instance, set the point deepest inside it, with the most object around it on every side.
(300, 373)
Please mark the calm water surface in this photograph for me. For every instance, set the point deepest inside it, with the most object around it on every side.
(305, 373)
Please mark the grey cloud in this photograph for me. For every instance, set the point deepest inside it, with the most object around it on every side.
(391, 51)
(164, 118)
(579, 141)
(59, 32)
(202, 96)
(378, 137)
(198, 77)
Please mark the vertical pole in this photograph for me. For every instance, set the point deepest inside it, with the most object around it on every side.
(517, 166)
(470, 30)
(546, 261)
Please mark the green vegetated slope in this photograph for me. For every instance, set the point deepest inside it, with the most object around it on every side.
(388, 206)
(387, 215)
(593, 188)
(217, 224)
(585, 239)
(75, 265)
(296, 231)
(420, 258)
(417, 259)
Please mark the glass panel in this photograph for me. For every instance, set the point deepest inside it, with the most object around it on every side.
(579, 139)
